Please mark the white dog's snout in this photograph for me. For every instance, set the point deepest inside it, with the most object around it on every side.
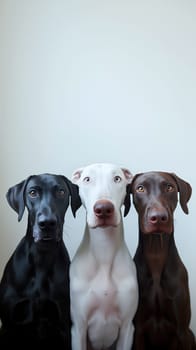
(103, 209)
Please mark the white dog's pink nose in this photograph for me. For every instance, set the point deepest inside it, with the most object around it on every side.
(103, 209)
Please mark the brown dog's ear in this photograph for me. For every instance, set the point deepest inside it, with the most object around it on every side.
(133, 180)
(74, 193)
(127, 201)
(15, 197)
(185, 191)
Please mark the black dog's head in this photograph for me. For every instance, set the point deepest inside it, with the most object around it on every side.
(46, 197)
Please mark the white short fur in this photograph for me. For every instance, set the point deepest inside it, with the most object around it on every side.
(103, 282)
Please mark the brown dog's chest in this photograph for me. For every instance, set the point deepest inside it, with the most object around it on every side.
(155, 251)
(156, 287)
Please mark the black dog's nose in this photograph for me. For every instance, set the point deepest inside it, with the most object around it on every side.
(47, 223)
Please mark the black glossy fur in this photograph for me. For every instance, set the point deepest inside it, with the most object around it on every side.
(34, 290)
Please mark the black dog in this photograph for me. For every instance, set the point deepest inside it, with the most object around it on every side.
(163, 316)
(34, 290)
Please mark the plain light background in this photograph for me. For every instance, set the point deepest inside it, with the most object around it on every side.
(98, 81)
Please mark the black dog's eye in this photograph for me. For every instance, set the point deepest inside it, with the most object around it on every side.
(140, 188)
(61, 193)
(33, 193)
(170, 188)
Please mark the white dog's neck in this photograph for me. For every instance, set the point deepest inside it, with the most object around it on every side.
(104, 242)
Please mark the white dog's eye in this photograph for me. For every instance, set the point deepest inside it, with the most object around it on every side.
(117, 178)
(86, 179)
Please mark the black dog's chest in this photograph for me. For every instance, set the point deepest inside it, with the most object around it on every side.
(39, 286)
(41, 283)
(39, 272)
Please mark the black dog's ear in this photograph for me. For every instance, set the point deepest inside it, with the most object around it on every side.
(127, 201)
(74, 193)
(185, 191)
(15, 197)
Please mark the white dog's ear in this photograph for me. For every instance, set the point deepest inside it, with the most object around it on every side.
(128, 175)
(76, 175)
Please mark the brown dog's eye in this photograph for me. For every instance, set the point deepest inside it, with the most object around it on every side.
(117, 178)
(33, 193)
(140, 188)
(170, 188)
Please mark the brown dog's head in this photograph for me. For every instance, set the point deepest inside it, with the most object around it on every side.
(155, 196)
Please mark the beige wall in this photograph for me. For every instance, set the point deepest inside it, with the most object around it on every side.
(95, 81)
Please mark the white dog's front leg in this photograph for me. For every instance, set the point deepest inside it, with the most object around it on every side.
(125, 336)
(79, 337)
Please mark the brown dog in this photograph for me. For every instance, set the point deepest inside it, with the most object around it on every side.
(163, 316)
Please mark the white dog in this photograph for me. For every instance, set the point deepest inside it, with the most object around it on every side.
(104, 288)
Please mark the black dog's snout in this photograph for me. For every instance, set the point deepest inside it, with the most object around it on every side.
(103, 209)
(47, 222)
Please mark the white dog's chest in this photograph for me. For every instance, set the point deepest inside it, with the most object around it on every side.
(103, 311)
(103, 295)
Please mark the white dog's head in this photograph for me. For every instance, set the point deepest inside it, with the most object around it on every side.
(103, 191)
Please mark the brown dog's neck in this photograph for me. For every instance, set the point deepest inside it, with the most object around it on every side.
(156, 249)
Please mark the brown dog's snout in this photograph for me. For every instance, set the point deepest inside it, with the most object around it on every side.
(103, 209)
(158, 216)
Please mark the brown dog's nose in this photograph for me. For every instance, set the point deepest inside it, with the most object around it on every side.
(103, 209)
(158, 216)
